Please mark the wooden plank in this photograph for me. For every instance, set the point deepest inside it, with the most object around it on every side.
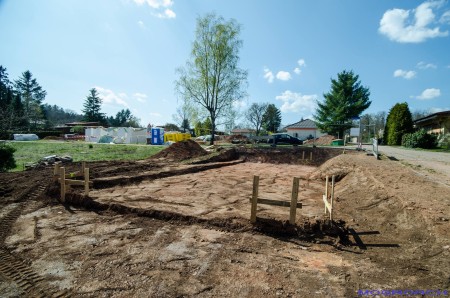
(75, 182)
(86, 180)
(294, 198)
(278, 203)
(62, 173)
(56, 171)
(327, 204)
(332, 197)
(326, 192)
(254, 198)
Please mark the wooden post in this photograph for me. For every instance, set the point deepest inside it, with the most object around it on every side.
(303, 155)
(62, 177)
(86, 181)
(56, 171)
(294, 198)
(326, 192)
(332, 197)
(310, 155)
(83, 166)
(254, 199)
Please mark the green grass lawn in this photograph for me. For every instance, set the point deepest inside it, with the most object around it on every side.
(33, 151)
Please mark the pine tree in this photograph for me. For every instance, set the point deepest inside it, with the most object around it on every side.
(92, 107)
(346, 100)
(399, 122)
(32, 95)
(271, 119)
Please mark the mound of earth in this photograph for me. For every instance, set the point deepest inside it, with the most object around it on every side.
(323, 140)
(181, 150)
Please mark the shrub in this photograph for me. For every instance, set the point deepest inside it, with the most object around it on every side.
(78, 129)
(7, 160)
(399, 122)
(419, 139)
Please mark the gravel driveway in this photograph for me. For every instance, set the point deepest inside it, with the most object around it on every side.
(434, 165)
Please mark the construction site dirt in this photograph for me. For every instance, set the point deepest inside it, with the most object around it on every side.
(178, 225)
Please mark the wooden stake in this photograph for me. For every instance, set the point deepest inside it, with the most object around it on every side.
(294, 198)
(56, 171)
(254, 199)
(310, 155)
(83, 166)
(303, 155)
(86, 181)
(332, 197)
(326, 192)
(62, 174)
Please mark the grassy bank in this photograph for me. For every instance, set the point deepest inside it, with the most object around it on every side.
(33, 151)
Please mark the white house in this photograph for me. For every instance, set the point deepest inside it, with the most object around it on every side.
(304, 129)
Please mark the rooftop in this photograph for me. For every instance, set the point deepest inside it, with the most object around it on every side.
(306, 123)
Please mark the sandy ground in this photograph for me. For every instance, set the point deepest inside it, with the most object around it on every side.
(182, 230)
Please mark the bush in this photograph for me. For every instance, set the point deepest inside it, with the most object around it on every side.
(7, 160)
(419, 139)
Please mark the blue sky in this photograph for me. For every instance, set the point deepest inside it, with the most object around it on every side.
(129, 50)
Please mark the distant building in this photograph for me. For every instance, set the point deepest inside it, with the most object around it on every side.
(437, 123)
(304, 129)
(244, 132)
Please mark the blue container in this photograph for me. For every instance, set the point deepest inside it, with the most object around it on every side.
(157, 136)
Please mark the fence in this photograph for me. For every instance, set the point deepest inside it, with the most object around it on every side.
(293, 204)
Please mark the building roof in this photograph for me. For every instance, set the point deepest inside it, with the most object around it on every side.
(81, 123)
(306, 123)
(432, 116)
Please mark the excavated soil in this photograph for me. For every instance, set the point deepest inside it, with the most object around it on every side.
(161, 228)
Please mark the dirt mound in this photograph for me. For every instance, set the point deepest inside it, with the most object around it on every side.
(323, 140)
(181, 151)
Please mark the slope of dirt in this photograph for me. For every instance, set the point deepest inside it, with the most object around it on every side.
(180, 151)
(401, 209)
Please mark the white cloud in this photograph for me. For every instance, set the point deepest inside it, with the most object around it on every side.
(445, 18)
(429, 93)
(411, 26)
(109, 97)
(297, 102)
(161, 8)
(301, 63)
(141, 97)
(240, 104)
(155, 115)
(406, 74)
(141, 24)
(167, 14)
(155, 3)
(268, 75)
(437, 110)
(283, 75)
(423, 65)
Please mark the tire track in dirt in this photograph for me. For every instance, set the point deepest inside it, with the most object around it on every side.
(11, 266)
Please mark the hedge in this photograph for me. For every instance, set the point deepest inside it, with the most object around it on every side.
(419, 139)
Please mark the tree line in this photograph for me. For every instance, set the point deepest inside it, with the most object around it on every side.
(22, 107)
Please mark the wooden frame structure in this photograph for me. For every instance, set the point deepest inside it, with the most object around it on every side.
(293, 204)
(59, 174)
(329, 205)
